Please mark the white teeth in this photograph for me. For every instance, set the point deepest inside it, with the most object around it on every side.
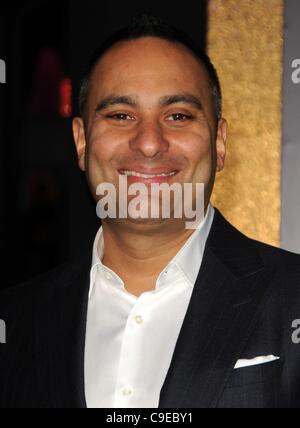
(138, 174)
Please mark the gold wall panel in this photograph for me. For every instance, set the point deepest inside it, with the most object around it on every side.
(246, 45)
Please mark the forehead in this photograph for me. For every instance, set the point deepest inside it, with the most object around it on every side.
(148, 64)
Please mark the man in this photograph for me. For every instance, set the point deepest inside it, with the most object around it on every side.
(159, 315)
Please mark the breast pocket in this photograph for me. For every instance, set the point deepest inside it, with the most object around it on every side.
(255, 387)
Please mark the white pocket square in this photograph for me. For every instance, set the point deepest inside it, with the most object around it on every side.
(255, 361)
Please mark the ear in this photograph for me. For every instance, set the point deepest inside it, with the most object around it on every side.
(221, 144)
(80, 141)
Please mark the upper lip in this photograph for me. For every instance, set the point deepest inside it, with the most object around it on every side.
(150, 171)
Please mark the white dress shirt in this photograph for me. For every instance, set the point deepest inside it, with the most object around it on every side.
(130, 340)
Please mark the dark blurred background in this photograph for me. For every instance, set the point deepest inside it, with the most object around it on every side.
(47, 214)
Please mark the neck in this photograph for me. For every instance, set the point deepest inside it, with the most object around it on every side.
(137, 253)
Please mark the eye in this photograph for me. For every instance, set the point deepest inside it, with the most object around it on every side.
(179, 117)
(121, 117)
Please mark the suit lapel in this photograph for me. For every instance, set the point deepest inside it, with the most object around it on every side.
(226, 301)
(61, 325)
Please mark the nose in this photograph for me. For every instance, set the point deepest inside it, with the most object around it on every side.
(149, 140)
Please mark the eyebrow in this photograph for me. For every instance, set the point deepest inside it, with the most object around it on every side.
(164, 101)
(114, 100)
(181, 98)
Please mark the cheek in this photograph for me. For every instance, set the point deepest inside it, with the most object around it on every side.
(102, 146)
(200, 159)
(97, 159)
(198, 151)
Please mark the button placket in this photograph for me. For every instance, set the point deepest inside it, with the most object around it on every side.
(139, 319)
(131, 347)
(127, 392)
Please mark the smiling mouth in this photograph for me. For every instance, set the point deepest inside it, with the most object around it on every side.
(147, 176)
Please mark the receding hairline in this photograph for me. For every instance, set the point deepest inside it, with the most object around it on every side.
(138, 39)
(146, 25)
(86, 87)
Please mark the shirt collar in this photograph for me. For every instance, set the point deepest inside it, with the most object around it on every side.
(190, 256)
(187, 260)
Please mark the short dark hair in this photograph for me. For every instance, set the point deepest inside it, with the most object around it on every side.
(150, 26)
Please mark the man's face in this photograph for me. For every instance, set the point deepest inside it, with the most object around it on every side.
(150, 110)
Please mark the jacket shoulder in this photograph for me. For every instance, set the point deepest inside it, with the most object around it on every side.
(241, 249)
(44, 283)
(285, 263)
(278, 255)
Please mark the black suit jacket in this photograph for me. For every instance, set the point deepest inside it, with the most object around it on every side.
(244, 302)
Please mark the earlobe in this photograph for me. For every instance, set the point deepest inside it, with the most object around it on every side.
(80, 141)
(221, 144)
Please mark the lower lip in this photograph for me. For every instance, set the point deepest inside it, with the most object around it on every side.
(153, 180)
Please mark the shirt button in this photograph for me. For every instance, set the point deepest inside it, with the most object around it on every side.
(139, 319)
(127, 392)
(108, 276)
